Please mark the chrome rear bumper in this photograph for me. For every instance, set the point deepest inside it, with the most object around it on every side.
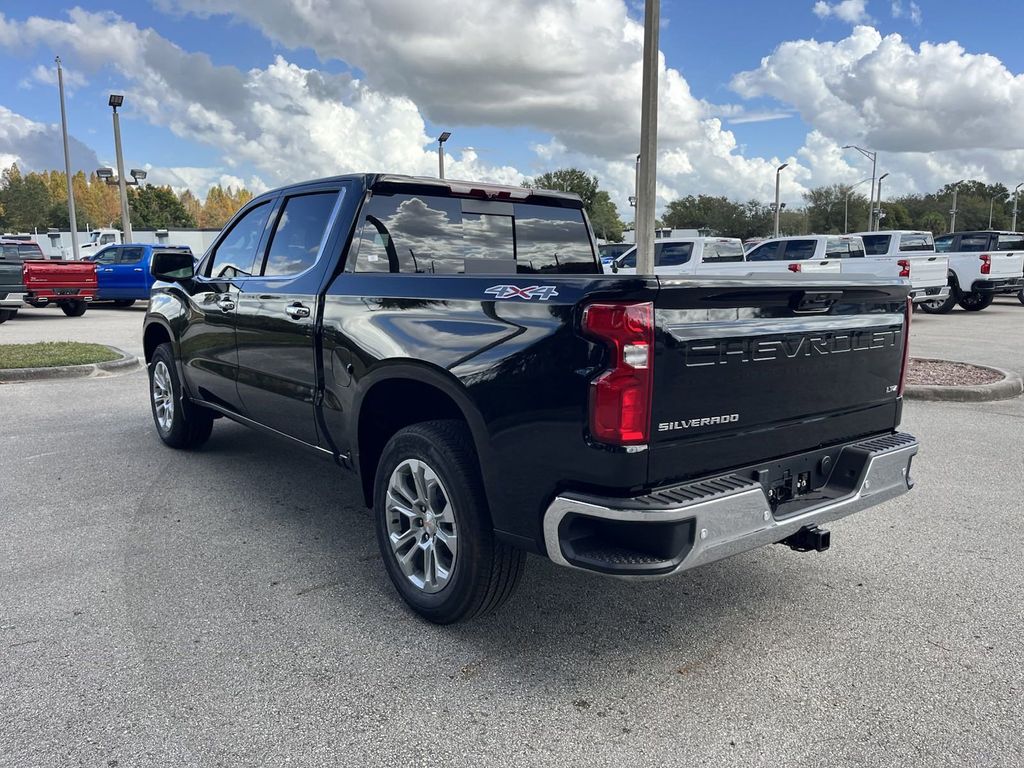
(921, 294)
(714, 519)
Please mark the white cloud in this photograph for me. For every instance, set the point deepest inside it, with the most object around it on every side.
(850, 11)
(38, 146)
(912, 12)
(42, 75)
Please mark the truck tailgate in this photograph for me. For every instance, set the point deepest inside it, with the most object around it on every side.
(1006, 264)
(42, 276)
(759, 368)
(928, 271)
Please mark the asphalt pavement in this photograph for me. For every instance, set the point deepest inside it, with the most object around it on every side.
(228, 607)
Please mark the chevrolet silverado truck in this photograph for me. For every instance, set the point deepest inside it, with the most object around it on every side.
(123, 271)
(457, 346)
(910, 254)
(982, 265)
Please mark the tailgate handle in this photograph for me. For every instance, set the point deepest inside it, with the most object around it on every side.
(813, 302)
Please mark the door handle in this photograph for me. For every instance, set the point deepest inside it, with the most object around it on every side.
(296, 311)
(138, 269)
(226, 302)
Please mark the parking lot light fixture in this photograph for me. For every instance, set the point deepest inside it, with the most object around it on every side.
(778, 208)
(1016, 194)
(445, 135)
(878, 211)
(116, 100)
(873, 157)
(952, 211)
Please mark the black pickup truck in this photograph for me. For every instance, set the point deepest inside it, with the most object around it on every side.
(456, 345)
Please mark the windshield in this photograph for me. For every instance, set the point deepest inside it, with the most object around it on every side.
(876, 245)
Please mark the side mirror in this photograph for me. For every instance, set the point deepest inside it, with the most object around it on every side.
(172, 266)
(615, 267)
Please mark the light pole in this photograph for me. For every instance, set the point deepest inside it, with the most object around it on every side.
(873, 157)
(878, 213)
(952, 211)
(991, 205)
(647, 186)
(778, 173)
(846, 210)
(445, 135)
(115, 101)
(67, 162)
(1013, 224)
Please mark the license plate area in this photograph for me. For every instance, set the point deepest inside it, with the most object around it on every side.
(65, 291)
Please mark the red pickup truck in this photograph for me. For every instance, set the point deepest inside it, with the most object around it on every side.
(71, 285)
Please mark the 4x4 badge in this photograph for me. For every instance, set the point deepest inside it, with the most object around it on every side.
(542, 292)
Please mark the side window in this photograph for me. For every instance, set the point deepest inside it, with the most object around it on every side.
(767, 251)
(944, 244)
(106, 239)
(878, 245)
(300, 230)
(235, 254)
(800, 249)
(627, 260)
(130, 255)
(107, 256)
(917, 241)
(973, 243)
(672, 254)
(551, 239)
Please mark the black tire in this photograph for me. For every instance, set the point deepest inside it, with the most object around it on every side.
(1020, 297)
(189, 425)
(940, 306)
(975, 302)
(75, 308)
(123, 303)
(7, 314)
(483, 572)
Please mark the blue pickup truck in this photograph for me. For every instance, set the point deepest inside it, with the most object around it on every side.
(123, 271)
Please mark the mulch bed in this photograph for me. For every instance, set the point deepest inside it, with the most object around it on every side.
(945, 373)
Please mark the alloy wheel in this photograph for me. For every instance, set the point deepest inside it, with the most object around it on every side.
(163, 396)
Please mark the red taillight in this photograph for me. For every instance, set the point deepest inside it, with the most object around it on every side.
(986, 264)
(907, 314)
(794, 267)
(904, 266)
(620, 398)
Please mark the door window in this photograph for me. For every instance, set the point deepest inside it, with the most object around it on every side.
(672, 254)
(300, 231)
(917, 241)
(973, 243)
(235, 254)
(723, 251)
(767, 251)
(844, 248)
(800, 249)
(944, 244)
(107, 256)
(130, 256)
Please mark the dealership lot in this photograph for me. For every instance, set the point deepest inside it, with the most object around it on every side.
(227, 606)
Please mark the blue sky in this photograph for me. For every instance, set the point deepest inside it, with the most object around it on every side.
(260, 92)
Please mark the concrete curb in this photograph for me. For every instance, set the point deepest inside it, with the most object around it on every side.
(1010, 386)
(124, 363)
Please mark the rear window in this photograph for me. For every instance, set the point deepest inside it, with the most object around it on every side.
(9, 253)
(723, 251)
(1014, 242)
(844, 248)
(425, 234)
(877, 245)
(22, 251)
(916, 241)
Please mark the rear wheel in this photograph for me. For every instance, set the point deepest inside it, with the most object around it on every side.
(975, 301)
(1020, 297)
(433, 529)
(124, 303)
(940, 306)
(179, 423)
(7, 314)
(75, 308)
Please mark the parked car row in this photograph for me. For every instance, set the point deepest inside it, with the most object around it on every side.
(118, 273)
(965, 268)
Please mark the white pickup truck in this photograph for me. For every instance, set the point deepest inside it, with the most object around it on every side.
(909, 253)
(688, 256)
(982, 265)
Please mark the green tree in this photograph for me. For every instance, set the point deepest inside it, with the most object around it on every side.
(25, 200)
(932, 221)
(157, 208)
(603, 214)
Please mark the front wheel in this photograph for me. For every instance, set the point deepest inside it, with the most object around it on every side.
(179, 423)
(433, 529)
(75, 308)
(975, 301)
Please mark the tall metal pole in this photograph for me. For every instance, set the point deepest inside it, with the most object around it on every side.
(871, 210)
(440, 159)
(778, 208)
(952, 212)
(67, 162)
(126, 221)
(646, 186)
(878, 212)
(1013, 224)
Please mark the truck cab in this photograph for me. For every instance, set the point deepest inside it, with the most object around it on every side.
(98, 240)
(909, 254)
(123, 271)
(982, 265)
